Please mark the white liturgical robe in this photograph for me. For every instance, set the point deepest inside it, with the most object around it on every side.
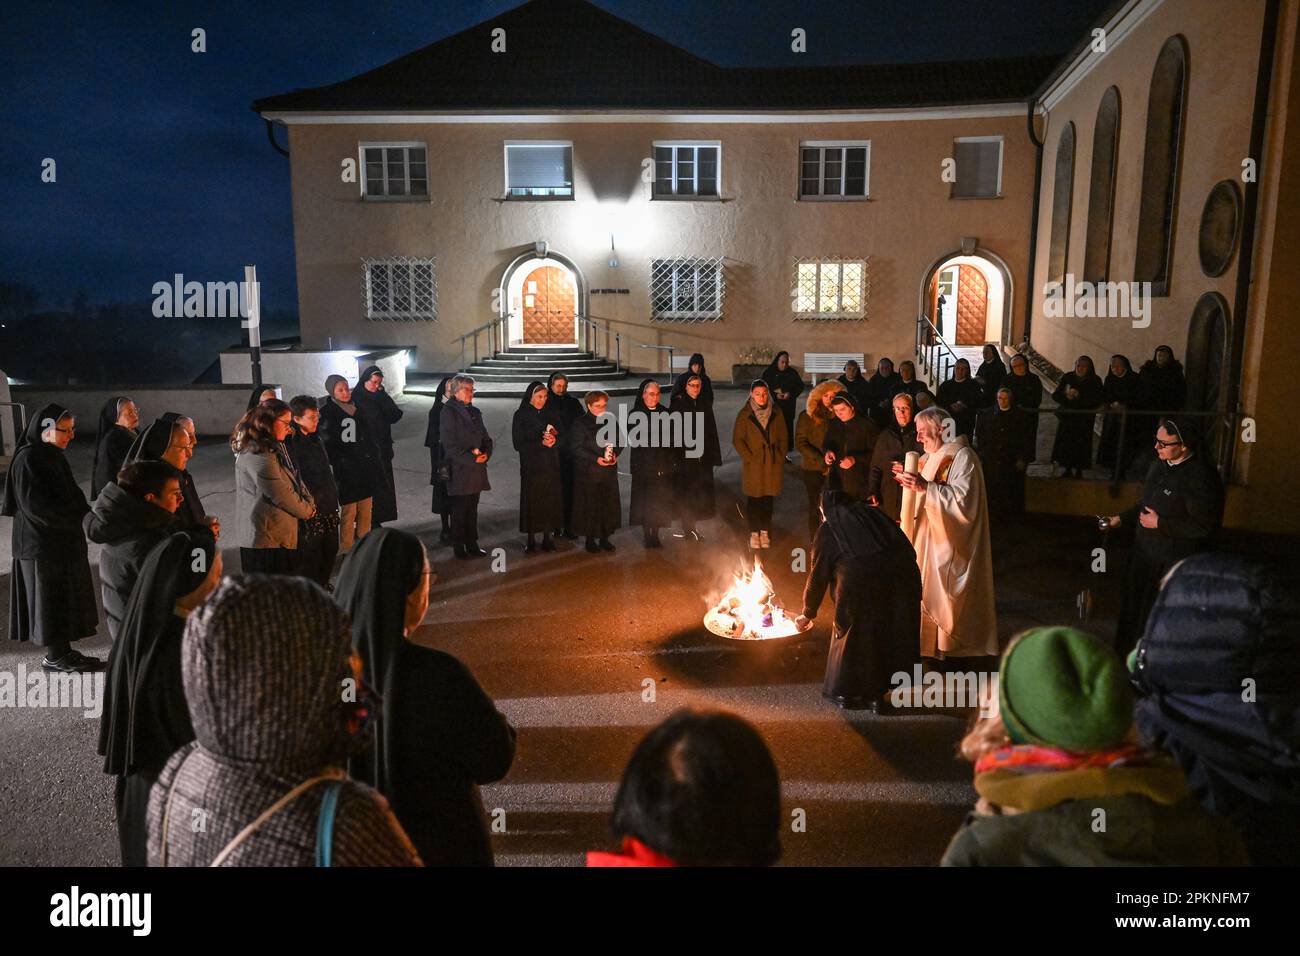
(958, 618)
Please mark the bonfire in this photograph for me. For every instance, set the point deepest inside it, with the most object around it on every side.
(749, 610)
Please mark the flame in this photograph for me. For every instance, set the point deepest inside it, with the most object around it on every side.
(749, 609)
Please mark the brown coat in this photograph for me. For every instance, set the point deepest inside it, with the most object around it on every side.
(762, 453)
(810, 429)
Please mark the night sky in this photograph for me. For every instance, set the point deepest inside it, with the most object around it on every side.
(164, 168)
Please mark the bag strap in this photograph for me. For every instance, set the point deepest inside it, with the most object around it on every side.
(325, 823)
(270, 811)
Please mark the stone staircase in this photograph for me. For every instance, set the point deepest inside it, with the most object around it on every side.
(507, 373)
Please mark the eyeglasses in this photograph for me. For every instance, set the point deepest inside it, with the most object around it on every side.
(1166, 444)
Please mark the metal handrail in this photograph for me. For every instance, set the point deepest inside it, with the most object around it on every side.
(929, 344)
(589, 337)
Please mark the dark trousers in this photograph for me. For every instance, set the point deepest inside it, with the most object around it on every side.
(759, 511)
(813, 483)
(316, 554)
(464, 519)
(269, 560)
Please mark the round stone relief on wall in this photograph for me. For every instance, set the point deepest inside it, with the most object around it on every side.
(1220, 224)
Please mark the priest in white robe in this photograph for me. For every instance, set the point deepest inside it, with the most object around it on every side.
(951, 538)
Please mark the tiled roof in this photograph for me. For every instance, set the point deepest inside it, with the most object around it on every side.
(570, 54)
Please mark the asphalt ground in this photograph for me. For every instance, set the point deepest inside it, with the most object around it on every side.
(569, 644)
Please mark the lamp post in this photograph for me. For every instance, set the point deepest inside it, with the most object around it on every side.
(253, 321)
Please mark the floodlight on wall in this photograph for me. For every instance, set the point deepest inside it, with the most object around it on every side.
(613, 256)
(969, 244)
(540, 248)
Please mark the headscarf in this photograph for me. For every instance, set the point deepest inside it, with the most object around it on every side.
(640, 406)
(255, 398)
(1128, 366)
(527, 401)
(859, 529)
(168, 574)
(763, 413)
(378, 576)
(365, 377)
(435, 412)
(108, 415)
(1092, 368)
(30, 441)
(263, 662)
(152, 443)
(1186, 428)
(774, 368)
(844, 398)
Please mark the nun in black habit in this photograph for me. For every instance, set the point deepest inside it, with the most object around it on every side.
(869, 566)
(1123, 392)
(145, 718)
(654, 464)
(537, 439)
(441, 501)
(51, 593)
(962, 396)
(695, 367)
(850, 439)
(786, 386)
(597, 508)
(163, 441)
(118, 420)
(1079, 393)
(693, 483)
(566, 410)
(379, 413)
(438, 736)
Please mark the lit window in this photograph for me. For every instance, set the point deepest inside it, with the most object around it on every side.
(539, 170)
(394, 171)
(830, 289)
(401, 288)
(834, 170)
(687, 169)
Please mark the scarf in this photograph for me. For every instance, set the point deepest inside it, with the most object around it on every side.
(763, 414)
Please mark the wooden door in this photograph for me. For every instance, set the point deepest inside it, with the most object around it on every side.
(549, 306)
(972, 306)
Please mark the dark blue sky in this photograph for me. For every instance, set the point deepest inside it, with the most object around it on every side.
(163, 168)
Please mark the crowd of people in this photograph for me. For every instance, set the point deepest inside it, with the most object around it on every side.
(394, 739)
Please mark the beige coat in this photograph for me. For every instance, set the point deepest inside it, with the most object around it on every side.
(267, 506)
(762, 454)
(958, 618)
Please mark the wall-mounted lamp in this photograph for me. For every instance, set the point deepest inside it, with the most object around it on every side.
(613, 256)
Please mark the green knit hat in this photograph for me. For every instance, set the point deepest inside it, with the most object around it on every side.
(1060, 687)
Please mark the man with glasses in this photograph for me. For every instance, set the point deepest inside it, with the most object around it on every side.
(1178, 514)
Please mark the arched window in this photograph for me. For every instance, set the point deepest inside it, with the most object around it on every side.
(1101, 189)
(1165, 113)
(1208, 336)
(1058, 251)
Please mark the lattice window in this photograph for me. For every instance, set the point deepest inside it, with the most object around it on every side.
(687, 289)
(830, 289)
(400, 288)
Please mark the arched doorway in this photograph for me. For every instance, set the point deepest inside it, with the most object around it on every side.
(968, 298)
(542, 296)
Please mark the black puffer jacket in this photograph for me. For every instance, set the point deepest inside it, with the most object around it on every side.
(352, 452)
(128, 527)
(1219, 671)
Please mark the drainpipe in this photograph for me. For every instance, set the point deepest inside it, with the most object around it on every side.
(270, 134)
(1250, 204)
(1033, 219)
